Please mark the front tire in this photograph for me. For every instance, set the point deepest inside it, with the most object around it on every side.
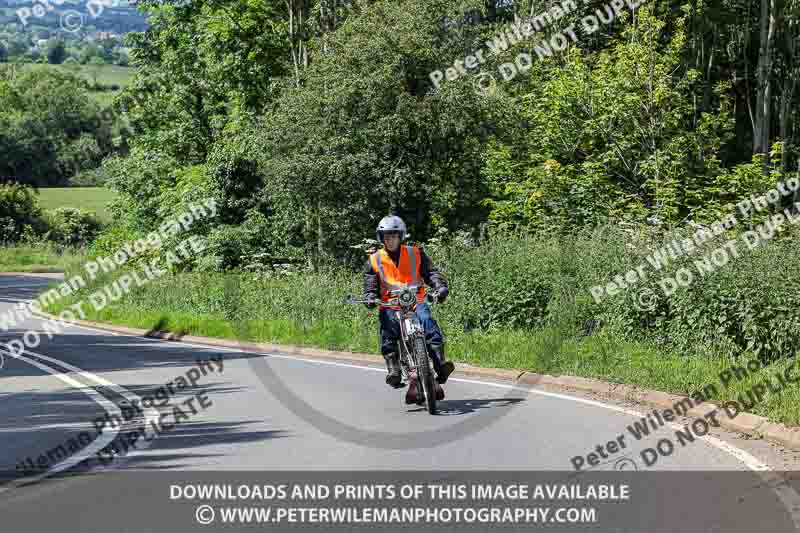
(425, 375)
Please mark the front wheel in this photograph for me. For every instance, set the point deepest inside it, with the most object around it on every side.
(425, 375)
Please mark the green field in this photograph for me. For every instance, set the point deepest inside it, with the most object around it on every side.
(92, 198)
(49, 257)
(106, 74)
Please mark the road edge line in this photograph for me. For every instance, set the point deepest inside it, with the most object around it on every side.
(744, 423)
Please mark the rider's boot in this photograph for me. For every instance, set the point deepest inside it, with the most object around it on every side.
(442, 367)
(393, 378)
(411, 393)
(439, 393)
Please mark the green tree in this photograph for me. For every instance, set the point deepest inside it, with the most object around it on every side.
(56, 51)
(96, 66)
(90, 51)
(49, 127)
(612, 135)
(19, 211)
(367, 134)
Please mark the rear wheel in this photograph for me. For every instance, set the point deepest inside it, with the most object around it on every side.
(425, 375)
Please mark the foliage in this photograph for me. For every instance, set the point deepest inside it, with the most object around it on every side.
(610, 137)
(71, 226)
(309, 121)
(315, 129)
(56, 52)
(49, 127)
(19, 209)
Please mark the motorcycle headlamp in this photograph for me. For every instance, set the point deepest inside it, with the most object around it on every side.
(407, 298)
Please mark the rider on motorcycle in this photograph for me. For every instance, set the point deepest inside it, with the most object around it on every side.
(397, 265)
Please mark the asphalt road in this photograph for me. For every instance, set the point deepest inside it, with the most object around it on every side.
(253, 413)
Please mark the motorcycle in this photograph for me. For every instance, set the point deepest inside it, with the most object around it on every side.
(415, 362)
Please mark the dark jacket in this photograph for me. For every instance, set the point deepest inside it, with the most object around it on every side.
(432, 276)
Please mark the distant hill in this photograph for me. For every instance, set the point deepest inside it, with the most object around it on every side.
(120, 19)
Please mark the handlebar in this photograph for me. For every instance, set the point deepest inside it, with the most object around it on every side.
(429, 299)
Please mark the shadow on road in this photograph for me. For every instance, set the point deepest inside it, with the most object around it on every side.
(147, 365)
(465, 407)
(46, 413)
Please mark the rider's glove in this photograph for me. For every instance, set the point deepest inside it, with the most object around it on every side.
(441, 294)
(372, 300)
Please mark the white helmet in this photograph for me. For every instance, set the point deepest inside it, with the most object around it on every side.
(391, 223)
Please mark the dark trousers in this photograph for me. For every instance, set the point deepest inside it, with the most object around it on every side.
(390, 329)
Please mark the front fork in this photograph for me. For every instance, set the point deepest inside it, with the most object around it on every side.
(408, 362)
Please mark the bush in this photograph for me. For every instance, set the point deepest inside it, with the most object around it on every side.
(749, 305)
(229, 246)
(112, 238)
(95, 177)
(71, 226)
(526, 282)
(19, 209)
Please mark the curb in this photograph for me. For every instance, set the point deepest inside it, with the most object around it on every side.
(745, 423)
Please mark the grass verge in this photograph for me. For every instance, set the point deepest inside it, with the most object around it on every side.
(40, 258)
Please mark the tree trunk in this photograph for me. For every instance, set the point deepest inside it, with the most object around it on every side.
(320, 233)
(707, 93)
(764, 96)
(491, 10)
(787, 96)
(299, 51)
(785, 115)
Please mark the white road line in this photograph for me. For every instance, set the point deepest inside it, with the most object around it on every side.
(747, 459)
(98, 444)
(151, 414)
(786, 493)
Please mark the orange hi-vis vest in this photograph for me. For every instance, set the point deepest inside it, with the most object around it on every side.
(393, 277)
